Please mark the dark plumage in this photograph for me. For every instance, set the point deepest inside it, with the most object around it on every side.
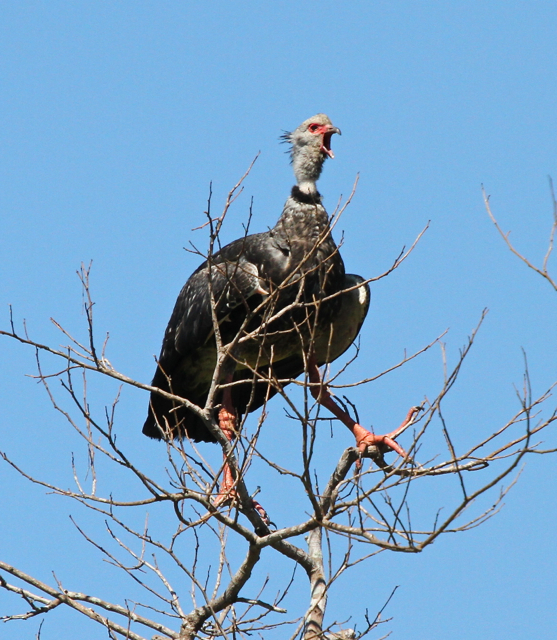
(252, 279)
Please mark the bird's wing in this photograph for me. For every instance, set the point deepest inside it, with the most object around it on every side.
(223, 286)
(334, 339)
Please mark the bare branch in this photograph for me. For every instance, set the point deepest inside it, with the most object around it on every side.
(543, 270)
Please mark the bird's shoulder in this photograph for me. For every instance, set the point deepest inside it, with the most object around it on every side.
(230, 276)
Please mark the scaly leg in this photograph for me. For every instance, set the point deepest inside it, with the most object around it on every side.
(227, 423)
(364, 438)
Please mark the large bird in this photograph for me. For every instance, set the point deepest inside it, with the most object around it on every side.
(281, 304)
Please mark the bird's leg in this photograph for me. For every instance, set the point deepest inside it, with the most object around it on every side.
(366, 441)
(227, 422)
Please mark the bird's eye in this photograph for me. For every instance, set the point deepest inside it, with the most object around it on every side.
(313, 127)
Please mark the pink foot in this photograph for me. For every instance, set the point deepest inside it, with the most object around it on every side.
(228, 495)
(370, 443)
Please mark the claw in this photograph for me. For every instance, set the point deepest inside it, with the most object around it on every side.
(227, 496)
(372, 445)
(368, 443)
(262, 513)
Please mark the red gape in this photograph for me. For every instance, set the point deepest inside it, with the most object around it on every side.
(364, 438)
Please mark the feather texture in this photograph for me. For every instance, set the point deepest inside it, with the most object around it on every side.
(283, 291)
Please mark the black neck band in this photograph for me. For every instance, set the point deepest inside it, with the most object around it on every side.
(305, 198)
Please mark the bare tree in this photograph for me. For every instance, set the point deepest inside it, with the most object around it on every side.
(207, 576)
(543, 270)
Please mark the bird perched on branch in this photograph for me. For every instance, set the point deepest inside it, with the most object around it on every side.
(278, 303)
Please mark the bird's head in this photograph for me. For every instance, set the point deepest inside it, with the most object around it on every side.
(311, 145)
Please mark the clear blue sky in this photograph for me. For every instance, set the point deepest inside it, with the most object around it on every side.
(115, 119)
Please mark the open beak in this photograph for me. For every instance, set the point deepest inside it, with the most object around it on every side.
(326, 144)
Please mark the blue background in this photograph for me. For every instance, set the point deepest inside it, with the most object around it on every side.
(115, 119)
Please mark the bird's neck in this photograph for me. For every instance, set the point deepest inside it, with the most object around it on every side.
(307, 164)
(302, 196)
(308, 187)
(302, 212)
